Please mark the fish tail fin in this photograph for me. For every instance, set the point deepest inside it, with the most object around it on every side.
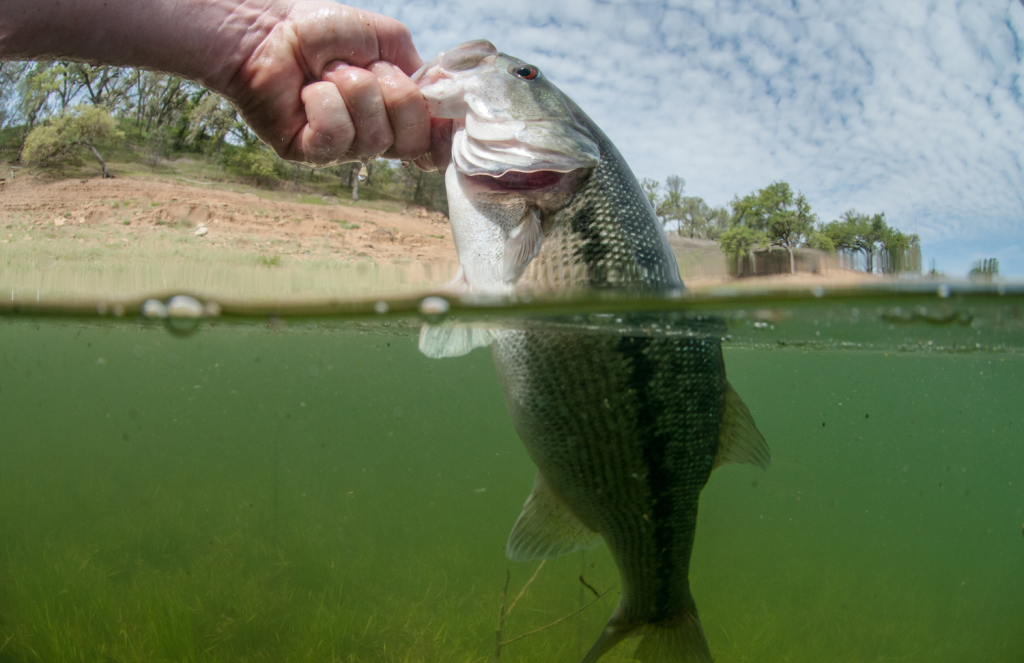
(678, 640)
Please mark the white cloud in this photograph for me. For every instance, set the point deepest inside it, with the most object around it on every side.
(874, 105)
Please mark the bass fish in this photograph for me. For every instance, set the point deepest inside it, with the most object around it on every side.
(626, 424)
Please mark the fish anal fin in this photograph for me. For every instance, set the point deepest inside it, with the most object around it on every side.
(546, 528)
(451, 340)
(612, 635)
(522, 247)
(739, 440)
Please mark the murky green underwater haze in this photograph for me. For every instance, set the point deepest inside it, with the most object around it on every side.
(318, 490)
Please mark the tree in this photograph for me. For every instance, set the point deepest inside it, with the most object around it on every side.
(742, 239)
(11, 74)
(821, 241)
(61, 137)
(786, 220)
(35, 87)
(214, 118)
(855, 232)
(900, 252)
(650, 188)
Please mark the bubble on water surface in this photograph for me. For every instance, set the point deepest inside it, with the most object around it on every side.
(183, 314)
(154, 308)
(381, 306)
(434, 309)
(183, 306)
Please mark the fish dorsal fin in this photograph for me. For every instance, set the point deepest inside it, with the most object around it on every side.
(522, 247)
(740, 441)
(449, 340)
(546, 528)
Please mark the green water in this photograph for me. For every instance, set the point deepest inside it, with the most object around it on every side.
(317, 490)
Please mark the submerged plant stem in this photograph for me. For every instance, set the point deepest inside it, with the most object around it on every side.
(523, 590)
(557, 621)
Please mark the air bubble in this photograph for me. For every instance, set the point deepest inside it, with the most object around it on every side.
(434, 309)
(943, 291)
(154, 308)
(183, 314)
(183, 306)
(380, 307)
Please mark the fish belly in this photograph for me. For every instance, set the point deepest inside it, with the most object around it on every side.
(625, 430)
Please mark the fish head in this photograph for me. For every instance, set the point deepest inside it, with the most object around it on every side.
(512, 129)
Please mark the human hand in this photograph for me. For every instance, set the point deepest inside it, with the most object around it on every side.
(325, 83)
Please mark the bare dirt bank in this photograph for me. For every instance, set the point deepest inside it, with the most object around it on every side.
(80, 237)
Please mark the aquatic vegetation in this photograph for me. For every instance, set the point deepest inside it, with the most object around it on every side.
(322, 492)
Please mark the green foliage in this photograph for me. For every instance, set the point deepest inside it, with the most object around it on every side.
(786, 219)
(650, 188)
(690, 214)
(428, 188)
(259, 162)
(872, 236)
(821, 241)
(985, 269)
(741, 239)
(211, 119)
(64, 137)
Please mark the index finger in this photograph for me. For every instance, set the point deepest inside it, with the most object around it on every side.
(327, 32)
(395, 45)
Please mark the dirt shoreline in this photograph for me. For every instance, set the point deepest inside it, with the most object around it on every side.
(53, 229)
(118, 210)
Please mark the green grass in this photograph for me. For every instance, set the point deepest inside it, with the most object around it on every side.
(55, 266)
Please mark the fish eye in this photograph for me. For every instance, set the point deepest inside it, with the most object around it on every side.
(527, 72)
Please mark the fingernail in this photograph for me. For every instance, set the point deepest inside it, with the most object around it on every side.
(334, 67)
(382, 70)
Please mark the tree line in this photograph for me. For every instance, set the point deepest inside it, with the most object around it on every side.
(776, 217)
(52, 110)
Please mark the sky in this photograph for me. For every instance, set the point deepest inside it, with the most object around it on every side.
(913, 108)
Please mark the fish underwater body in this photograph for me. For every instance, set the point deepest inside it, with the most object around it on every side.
(625, 422)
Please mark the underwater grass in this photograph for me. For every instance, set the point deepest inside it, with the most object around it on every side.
(325, 493)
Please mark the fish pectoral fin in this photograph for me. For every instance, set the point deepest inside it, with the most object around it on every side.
(522, 247)
(459, 285)
(739, 440)
(546, 528)
(450, 340)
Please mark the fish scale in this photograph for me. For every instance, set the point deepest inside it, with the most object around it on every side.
(606, 228)
(625, 430)
(625, 424)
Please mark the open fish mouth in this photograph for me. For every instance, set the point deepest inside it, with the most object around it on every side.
(512, 181)
(509, 122)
